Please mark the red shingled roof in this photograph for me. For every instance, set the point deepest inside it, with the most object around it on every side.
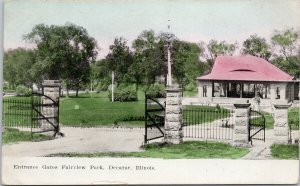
(245, 68)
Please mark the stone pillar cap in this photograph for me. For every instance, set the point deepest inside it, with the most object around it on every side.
(51, 83)
(282, 105)
(172, 88)
(241, 104)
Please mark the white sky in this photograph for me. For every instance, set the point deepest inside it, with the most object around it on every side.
(191, 20)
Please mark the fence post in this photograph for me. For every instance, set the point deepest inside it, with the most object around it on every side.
(281, 126)
(51, 88)
(173, 116)
(241, 126)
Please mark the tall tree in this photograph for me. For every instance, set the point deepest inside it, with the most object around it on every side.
(150, 54)
(285, 42)
(120, 59)
(215, 48)
(101, 73)
(256, 46)
(17, 63)
(186, 62)
(136, 70)
(287, 51)
(145, 41)
(64, 52)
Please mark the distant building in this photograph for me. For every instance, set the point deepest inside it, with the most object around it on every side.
(243, 77)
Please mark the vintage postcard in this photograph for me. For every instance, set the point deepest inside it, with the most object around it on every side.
(150, 92)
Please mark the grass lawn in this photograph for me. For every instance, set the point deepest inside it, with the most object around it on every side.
(285, 151)
(190, 93)
(294, 118)
(189, 149)
(17, 111)
(11, 135)
(99, 110)
(202, 114)
(269, 121)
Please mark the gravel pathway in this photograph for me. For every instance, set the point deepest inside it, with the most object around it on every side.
(90, 140)
(260, 150)
(81, 140)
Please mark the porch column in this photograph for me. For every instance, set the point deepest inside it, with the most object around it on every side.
(240, 131)
(265, 90)
(281, 126)
(226, 89)
(292, 92)
(200, 89)
(51, 88)
(173, 116)
(273, 91)
(241, 90)
(283, 87)
(209, 89)
(213, 89)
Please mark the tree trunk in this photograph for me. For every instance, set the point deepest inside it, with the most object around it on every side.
(136, 87)
(77, 89)
(67, 91)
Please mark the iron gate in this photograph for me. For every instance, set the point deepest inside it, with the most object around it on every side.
(154, 119)
(208, 122)
(257, 126)
(32, 113)
(45, 114)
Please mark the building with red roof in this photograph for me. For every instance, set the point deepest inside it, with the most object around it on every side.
(245, 77)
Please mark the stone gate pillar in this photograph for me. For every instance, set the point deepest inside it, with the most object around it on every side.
(51, 88)
(281, 125)
(173, 116)
(241, 126)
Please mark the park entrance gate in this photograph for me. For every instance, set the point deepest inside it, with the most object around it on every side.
(45, 114)
(154, 118)
(257, 126)
(32, 113)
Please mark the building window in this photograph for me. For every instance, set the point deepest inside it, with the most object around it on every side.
(204, 90)
(277, 92)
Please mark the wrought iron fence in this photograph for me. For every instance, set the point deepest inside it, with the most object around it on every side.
(208, 122)
(17, 112)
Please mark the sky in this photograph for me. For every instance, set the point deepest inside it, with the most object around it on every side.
(190, 20)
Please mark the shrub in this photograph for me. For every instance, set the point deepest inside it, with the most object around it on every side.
(156, 90)
(103, 86)
(5, 86)
(98, 90)
(294, 118)
(23, 90)
(124, 93)
(218, 108)
(132, 118)
(190, 87)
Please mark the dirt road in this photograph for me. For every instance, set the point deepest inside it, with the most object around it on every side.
(81, 140)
